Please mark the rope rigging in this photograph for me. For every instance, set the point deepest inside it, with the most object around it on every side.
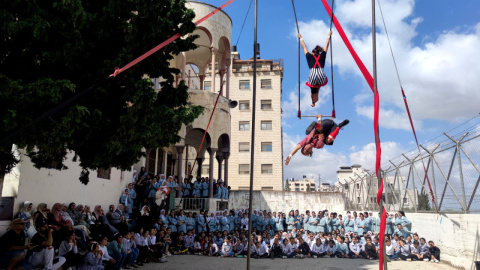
(406, 104)
(241, 30)
(331, 63)
(299, 113)
(330, 45)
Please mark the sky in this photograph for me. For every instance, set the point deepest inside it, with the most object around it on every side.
(435, 46)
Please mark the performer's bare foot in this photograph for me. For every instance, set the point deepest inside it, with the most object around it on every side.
(313, 105)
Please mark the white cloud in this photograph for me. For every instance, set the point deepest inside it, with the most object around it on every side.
(389, 118)
(326, 163)
(366, 156)
(290, 106)
(322, 162)
(440, 78)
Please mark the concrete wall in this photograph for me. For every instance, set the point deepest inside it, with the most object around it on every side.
(26, 183)
(275, 201)
(457, 236)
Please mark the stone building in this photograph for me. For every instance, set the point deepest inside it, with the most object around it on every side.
(50, 186)
(268, 167)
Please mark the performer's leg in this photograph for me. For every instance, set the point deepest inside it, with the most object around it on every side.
(314, 92)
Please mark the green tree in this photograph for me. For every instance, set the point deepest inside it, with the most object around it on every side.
(423, 201)
(287, 185)
(53, 50)
(308, 189)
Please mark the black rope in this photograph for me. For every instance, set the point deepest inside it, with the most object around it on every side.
(299, 114)
(241, 30)
(390, 45)
(331, 63)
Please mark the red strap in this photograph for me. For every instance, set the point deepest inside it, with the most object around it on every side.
(165, 43)
(368, 77)
(316, 61)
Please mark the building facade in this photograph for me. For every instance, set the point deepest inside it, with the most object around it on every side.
(268, 167)
(305, 185)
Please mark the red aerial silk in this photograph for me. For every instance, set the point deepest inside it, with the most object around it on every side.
(368, 77)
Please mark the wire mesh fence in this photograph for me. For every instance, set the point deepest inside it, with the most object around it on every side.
(443, 175)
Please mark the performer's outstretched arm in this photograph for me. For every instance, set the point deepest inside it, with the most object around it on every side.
(298, 147)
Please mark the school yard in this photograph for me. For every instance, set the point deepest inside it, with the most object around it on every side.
(192, 262)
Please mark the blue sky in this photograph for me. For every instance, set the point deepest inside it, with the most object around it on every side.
(435, 45)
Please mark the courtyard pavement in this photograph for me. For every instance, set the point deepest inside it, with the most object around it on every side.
(192, 262)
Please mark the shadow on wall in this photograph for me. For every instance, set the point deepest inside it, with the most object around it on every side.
(476, 250)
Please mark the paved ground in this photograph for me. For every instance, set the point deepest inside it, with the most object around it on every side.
(187, 262)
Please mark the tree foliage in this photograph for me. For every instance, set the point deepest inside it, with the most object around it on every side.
(52, 50)
(423, 201)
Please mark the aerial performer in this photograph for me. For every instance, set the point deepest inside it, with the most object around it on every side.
(316, 62)
(318, 134)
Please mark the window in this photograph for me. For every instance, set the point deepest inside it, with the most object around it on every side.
(405, 200)
(244, 147)
(243, 168)
(266, 83)
(244, 125)
(266, 104)
(267, 188)
(346, 186)
(244, 85)
(244, 105)
(297, 189)
(104, 173)
(266, 125)
(207, 85)
(206, 169)
(358, 186)
(266, 147)
(267, 168)
(243, 188)
(297, 185)
(358, 199)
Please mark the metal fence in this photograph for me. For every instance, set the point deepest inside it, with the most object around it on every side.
(446, 167)
(194, 204)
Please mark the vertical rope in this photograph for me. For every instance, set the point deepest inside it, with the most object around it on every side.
(331, 63)
(299, 113)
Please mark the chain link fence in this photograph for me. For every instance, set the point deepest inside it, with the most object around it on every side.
(443, 176)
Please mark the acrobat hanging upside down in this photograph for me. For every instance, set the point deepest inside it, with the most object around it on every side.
(318, 134)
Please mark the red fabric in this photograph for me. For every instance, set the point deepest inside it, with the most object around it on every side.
(165, 43)
(334, 134)
(357, 59)
(368, 77)
(418, 146)
(316, 61)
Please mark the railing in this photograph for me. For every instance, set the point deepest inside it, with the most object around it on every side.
(453, 174)
(195, 204)
(263, 65)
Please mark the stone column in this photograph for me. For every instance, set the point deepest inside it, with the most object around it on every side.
(226, 155)
(179, 170)
(211, 152)
(164, 163)
(214, 51)
(184, 64)
(220, 161)
(202, 79)
(227, 86)
(200, 164)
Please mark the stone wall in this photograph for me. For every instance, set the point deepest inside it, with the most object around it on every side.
(457, 236)
(275, 201)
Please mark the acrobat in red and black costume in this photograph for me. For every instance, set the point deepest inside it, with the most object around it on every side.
(316, 63)
(318, 134)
